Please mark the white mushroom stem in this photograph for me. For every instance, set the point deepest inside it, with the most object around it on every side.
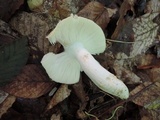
(99, 75)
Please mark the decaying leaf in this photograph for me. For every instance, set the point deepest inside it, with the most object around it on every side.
(13, 56)
(7, 103)
(8, 8)
(147, 94)
(36, 28)
(149, 114)
(154, 6)
(126, 13)
(32, 82)
(62, 93)
(145, 32)
(146, 61)
(80, 93)
(33, 27)
(63, 8)
(6, 29)
(135, 35)
(3, 96)
(154, 74)
(125, 74)
(98, 13)
(56, 116)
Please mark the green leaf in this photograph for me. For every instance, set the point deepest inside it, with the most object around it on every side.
(13, 57)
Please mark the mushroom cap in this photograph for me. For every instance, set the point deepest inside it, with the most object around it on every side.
(61, 68)
(78, 29)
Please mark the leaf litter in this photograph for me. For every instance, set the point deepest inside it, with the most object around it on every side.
(132, 54)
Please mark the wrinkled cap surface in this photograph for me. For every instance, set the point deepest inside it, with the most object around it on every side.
(78, 29)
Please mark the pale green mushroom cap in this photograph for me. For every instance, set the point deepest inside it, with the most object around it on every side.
(78, 29)
(63, 67)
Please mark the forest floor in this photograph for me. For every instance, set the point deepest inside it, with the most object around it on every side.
(132, 54)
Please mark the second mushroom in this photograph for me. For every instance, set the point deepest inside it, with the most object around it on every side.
(80, 38)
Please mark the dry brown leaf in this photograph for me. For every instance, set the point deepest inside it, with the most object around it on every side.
(127, 6)
(146, 61)
(135, 35)
(149, 114)
(154, 74)
(31, 83)
(62, 93)
(6, 29)
(146, 93)
(125, 74)
(34, 28)
(63, 8)
(98, 13)
(56, 116)
(7, 103)
(80, 92)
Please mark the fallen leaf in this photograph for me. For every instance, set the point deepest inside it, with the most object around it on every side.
(147, 94)
(63, 8)
(8, 8)
(6, 29)
(13, 56)
(126, 13)
(149, 114)
(83, 97)
(32, 82)
(5, 39)
(34, 28)
(136, 37)
(155, 6)
(154, 74)
(62, 93)
(56, 116)
(145, 31)
(3, 96)
(125, 74)
(7, 103)
(80, 92)
(147, 61)
(98, 13)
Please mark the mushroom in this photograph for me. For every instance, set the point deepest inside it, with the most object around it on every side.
(80, 38)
